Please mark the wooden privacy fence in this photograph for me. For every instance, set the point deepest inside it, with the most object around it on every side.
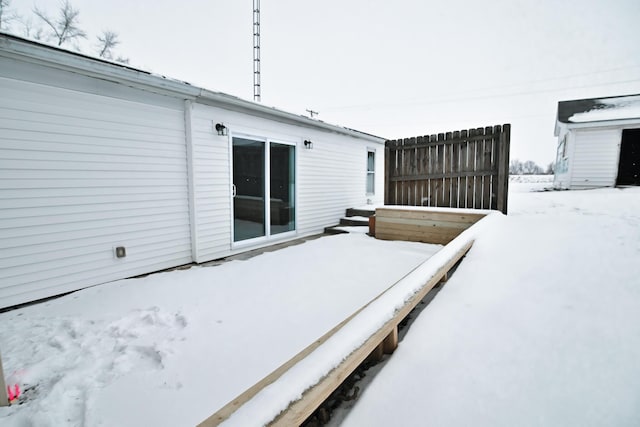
(461, 169)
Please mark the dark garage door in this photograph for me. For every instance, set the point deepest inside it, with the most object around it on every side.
(629, 169)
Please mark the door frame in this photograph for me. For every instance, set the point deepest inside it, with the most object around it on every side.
(268, 237)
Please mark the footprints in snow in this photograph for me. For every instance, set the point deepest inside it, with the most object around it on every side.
(88, 354)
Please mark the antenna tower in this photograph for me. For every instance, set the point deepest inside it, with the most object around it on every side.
(256, 50)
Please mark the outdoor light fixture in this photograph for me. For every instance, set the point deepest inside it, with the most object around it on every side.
(221, 129)
(120, 251)
(308, 144)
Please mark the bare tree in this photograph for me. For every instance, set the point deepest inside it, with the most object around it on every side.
(107, 41)
(36, 33)
(551, 168)
(7, 15)
(531, 168)
(515, 167)
(65, 27)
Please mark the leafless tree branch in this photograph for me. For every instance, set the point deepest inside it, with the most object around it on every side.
(65, 27)
(107, 41)
(30, 31)
(7, 15)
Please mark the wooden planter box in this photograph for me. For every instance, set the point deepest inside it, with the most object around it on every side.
(427, 225)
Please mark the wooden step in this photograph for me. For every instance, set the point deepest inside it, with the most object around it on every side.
(357, 220)
(361, 212)
(334, 230)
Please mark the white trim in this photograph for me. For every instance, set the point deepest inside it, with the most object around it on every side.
(571, 148)
(231, 188)
(294, 232)
(188, 120)
(373, 193)
(624, 124)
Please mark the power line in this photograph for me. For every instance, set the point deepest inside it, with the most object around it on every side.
(472, 98)
(529, 82)
(565, 77)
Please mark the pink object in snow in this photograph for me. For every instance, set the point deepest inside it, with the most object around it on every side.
(13, 394)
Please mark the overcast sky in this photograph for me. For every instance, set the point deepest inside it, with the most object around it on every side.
(391, 68)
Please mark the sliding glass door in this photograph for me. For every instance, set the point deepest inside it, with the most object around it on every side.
(282, 187)
(264, 189)
(249, 189)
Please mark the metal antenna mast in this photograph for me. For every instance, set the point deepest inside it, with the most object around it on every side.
(256, 50)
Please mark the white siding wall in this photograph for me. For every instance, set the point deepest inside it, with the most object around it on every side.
(212, 182)
(81, 173)
(594, 158)
(331, 177)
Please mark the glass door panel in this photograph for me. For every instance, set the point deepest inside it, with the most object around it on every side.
(282, 186)
(249, 189)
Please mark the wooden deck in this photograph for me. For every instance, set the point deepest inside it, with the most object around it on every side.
(429, 225)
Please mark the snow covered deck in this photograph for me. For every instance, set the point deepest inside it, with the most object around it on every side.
(173, 348)
(270, 335)
(288, 395)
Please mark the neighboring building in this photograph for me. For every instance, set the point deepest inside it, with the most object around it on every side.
(109, 172)
(598, 142)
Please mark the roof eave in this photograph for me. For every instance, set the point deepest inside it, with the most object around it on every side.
(241, 105)
(122, 74)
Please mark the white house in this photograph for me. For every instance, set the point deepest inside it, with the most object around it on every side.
(598, 142)
(108, 172)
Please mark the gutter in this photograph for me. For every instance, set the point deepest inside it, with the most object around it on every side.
(603, 124)
(18, 48)
(237, 104)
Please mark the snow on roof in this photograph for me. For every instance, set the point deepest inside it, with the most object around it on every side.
(599, 109)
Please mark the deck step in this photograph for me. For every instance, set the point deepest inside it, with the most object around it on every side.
(355, 220)
(361, 212)
(355, 217)
(334, 230)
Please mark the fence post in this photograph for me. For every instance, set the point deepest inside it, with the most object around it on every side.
(387, 173)
(503, 167)
(4, 399)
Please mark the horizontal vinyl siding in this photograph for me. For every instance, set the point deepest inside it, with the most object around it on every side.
(595, 158)
(212, 186)
(82, 173)
(332, 178)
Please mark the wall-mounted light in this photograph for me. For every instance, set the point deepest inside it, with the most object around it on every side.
(221, 129)
(308, 144)
(120, 251)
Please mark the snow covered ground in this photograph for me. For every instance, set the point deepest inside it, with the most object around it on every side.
(530, 179)
(172, 348)
(539, 326)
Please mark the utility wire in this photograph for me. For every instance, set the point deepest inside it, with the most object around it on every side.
(505, 95)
